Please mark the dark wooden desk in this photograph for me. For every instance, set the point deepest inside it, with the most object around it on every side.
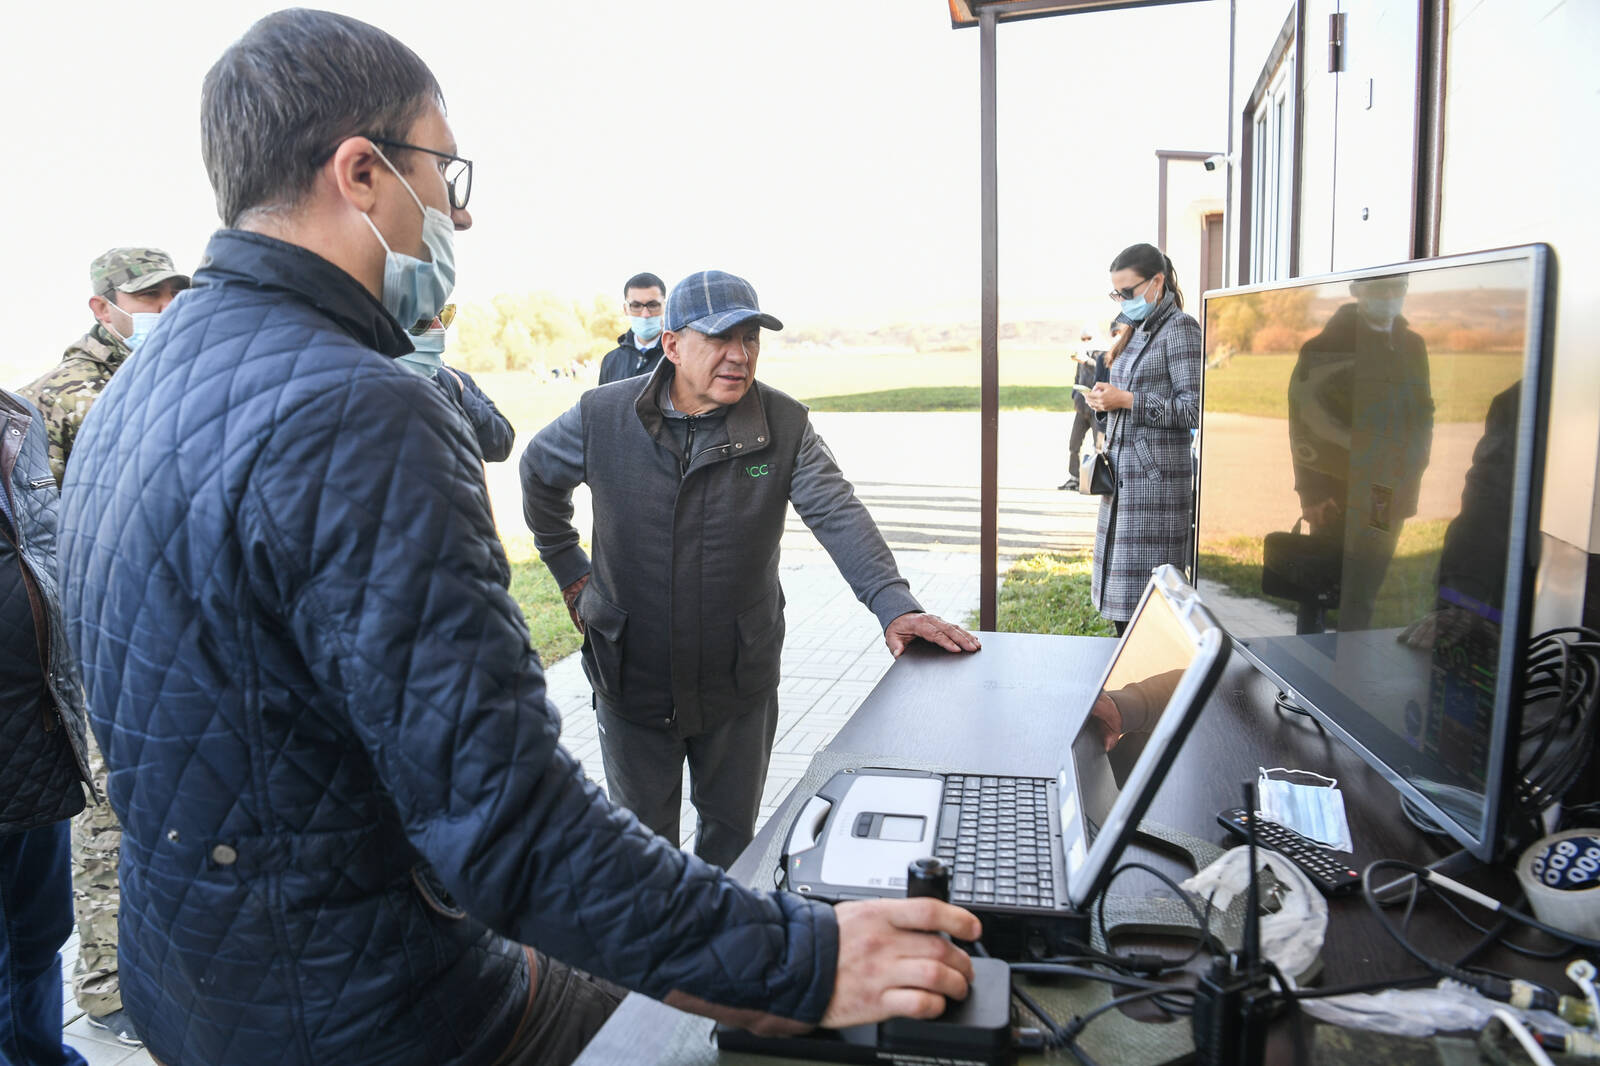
(1014, 708)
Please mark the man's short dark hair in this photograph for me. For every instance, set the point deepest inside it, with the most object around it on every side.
(284, 95)
(644, 281)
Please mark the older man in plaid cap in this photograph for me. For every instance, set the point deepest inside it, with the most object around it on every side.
(692, 472)
(130, 287)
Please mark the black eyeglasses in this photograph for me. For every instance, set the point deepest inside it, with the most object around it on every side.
(1127, 294)
(637, 308)
(457, 171)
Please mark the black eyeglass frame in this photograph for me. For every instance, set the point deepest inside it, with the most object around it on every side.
(1120, 295)
(459, 203)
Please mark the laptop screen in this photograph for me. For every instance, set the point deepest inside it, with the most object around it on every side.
(1123, 736)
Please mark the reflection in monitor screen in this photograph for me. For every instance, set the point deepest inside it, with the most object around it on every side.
(1147, 669)
(1358, 465)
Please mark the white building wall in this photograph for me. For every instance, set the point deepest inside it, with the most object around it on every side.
(1256, 27)
(1522, 107)
(1192, 190)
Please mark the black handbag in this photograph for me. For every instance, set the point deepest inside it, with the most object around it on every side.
(1103, 476)
(1302, 567)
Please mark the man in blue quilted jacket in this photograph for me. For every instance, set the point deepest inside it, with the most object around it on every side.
(351, 833)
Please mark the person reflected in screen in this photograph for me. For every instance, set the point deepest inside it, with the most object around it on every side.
(1472, 564)
(1127, 716)
(1360, 431)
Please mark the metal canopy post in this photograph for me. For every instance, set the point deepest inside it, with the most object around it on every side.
(987, 15)
(989, 389)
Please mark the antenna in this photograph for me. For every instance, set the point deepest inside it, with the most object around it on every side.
(1250, 952)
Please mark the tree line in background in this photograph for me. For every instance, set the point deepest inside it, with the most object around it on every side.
(534, 332)
(540, 332)
(1282, 320)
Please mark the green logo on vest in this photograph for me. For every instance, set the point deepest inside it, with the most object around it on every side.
(758, 471)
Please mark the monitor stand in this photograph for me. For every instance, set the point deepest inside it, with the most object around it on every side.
(1455, 865)
(1285, 702)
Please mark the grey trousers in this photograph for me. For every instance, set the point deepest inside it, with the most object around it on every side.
(727, 772)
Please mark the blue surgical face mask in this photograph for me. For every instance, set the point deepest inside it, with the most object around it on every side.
(429, 356)
(143, 323)
(412, 289)
(646, 329)
(1137, 308)
(1314, 811)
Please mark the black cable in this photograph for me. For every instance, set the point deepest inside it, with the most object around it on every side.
(1563, 666)
(1498, 933)
(1052, 1030)
(1163, 967)
(1495, 986)
(1120, 980)
(1366, 986)
(1073, 1029)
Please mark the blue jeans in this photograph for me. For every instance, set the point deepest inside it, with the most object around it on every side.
(35, 920)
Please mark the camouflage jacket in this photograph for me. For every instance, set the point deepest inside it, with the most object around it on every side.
(65, 394)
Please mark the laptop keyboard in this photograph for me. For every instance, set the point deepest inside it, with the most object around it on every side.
(995, 832)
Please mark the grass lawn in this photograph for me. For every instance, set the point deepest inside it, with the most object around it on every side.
(549, 626)
(1048, 593)
(1409, 586)
(1039, 380)
(803, 374)
(1257, 384)
(948, 398)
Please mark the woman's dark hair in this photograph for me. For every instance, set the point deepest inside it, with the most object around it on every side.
(1121, 334)
(283, 96)
(1149, 261)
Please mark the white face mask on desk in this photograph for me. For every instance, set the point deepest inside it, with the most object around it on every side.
(1314, 811)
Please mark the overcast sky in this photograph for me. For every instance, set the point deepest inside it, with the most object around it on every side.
(828, 152)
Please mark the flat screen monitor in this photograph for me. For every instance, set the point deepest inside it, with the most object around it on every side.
(1371, 459)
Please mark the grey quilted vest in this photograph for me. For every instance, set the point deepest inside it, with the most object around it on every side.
(684, 614)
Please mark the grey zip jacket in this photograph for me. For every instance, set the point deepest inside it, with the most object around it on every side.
(683, 613)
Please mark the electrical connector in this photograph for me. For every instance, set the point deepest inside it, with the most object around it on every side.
(1576, 1010)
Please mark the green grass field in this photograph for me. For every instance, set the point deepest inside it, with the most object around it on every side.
(943, 381)
(1048, 593)
(1257, 384)
(948, 398)
(549, 627)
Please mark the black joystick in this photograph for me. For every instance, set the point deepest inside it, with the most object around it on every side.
(976, 1029)
(980, 1024)
(928, 877)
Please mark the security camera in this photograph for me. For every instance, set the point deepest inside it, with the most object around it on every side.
(1214, 161)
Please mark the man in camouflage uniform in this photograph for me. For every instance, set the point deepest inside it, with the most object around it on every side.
(125, 282)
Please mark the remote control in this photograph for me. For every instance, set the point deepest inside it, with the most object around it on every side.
(1322, 864)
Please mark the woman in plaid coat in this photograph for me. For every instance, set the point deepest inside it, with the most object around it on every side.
(1153, 405)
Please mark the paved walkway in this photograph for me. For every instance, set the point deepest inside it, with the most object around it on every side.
(918, 475)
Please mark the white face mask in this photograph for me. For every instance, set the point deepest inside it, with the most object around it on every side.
(143, 323)
(1314, 811)
(429, 354)
(412, 289)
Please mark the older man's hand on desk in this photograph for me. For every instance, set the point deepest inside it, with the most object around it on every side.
(891, 963)
(908, 627)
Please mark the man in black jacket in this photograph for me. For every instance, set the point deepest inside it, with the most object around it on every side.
(43, 759)
(1082, 418)
(638, 351)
